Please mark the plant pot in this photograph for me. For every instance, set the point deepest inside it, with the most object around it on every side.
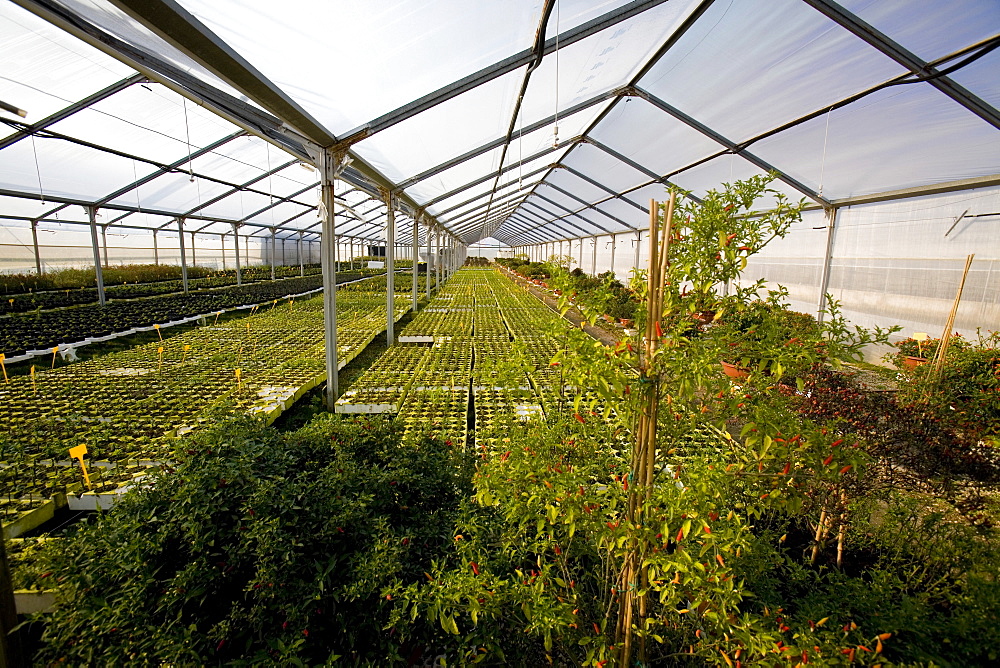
(734, 371)
(626, 322)
(703, 317)
(912, 362)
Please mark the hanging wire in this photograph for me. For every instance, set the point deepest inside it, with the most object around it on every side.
(38, 171)
(822, 166)
(135, 179)
(187, 130)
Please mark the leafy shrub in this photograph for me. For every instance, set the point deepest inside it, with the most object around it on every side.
(258, 547)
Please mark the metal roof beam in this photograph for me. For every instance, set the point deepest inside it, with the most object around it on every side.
(889, 47)
(486, 193)
(668, 44)
(502, 170)
(71, 109)
(603, 187)
(590, 206)
(499, 69)
(569, 211)
(731, 145)
(240, 187)
(164, 169)
(497, 143)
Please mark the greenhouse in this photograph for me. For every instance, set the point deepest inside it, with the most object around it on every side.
(539, 332)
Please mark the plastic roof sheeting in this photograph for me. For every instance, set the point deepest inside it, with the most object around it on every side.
(687, 92)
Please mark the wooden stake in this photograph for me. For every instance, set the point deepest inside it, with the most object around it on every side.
(937, 366)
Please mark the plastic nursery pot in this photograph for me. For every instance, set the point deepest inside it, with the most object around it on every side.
(912, 362)
(734, 371)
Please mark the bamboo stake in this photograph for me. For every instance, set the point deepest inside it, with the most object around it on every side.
(937, 366)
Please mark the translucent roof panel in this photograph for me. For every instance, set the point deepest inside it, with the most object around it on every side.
(725, 169)
(982, 78)
(485, 187)
(391, 54)
(64, 169)
(105, 15)
(444, 131)
(930, 28)
(146, 119)
(601, 62)
(570, 182)
(604, 168)
(44, 70)
(173, 192)
(522, 146)
(897, 138)
(665, 143)
(792, 60)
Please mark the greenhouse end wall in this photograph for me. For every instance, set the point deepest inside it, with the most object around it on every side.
(892, 263)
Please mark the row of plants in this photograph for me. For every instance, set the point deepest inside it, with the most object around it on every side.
(45, 330)
(35, 301)
(129, 274)
(126, 406)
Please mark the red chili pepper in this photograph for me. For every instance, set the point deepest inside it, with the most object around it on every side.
(826, 462)
(659, 330)
(836, 443)
(475, 567)
(578, 417)
(788, 467)
(845, 469)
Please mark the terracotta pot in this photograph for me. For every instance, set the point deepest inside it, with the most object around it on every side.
(608, 318)
(626, 322)
(734, 371)
(912, 362)
(703, 317)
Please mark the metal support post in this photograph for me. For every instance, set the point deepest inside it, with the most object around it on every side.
(437, 260)
(34, 243)
(156, 250)
(194, 257)
(222, 243)
(430, 261)
(824, 283)
(581, 254)
(236, 246)
(327, 175)
(98, 269)
(272, 253)
(638, 242)
(593, 258)
(184, 267)
(416, 261)
(390, 267)
(104, 238)
(614, 245)
(298, 251)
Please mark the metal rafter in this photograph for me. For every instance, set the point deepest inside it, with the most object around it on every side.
(497, 143)
(486, 193)
(173, 166)
(239, 188)
(668, 44)
(499, 69)
(68, 111)
(503, 170)
(589, 206)
(731, 145)
(889, 47)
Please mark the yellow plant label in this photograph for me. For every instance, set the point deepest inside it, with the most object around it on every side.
(157, 328)
(77, 453)
(4, 367)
